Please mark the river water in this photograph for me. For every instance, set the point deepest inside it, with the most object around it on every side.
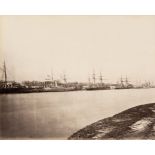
(60, 114)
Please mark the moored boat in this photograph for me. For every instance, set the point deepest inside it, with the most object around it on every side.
(97, 86)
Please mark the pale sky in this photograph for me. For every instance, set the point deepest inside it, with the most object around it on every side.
(32, 46)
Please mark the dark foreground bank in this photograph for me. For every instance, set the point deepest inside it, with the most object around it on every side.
(135, 123)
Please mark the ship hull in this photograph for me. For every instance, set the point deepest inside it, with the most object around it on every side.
(91, 89)
(124, 87)
(17, 90)
(34, 90)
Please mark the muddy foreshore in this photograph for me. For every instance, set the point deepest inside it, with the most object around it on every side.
(135, 123)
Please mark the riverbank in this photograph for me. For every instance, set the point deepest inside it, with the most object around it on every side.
(135, 123)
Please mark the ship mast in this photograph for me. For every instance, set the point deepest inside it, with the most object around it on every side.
(5, 73)
(122, 81)
(54, 82)
(101, 79)
(89, 80)
(126, 80)
(94, 78)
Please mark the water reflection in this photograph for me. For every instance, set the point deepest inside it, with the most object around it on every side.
(58, 115)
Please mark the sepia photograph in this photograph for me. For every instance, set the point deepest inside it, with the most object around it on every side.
(73, 77)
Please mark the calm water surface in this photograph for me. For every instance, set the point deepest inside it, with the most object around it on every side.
(58, 115)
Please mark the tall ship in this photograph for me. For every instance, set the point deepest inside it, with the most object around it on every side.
(97, 85)
(11, 86)
(124, 84)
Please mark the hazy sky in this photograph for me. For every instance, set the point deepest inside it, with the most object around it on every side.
(114, 45)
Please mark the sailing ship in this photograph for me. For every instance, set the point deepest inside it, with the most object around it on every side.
(97, 86)
(124, 84)
(11, 86)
